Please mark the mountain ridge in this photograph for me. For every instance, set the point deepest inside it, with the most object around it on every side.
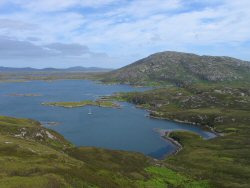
(180, 68)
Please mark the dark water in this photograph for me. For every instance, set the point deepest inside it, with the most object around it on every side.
(123, 129)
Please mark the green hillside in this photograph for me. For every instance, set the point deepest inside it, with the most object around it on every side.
(33, 156)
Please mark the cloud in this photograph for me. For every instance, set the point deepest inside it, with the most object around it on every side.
(56, 5)
(177, 27)
(17, 25)
(124, 28)
(16, 53)
(68, 49)
(14, 49)
(142, 9)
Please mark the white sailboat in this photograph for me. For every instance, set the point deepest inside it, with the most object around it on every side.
(89, 113)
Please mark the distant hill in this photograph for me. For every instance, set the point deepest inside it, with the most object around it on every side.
(180, 68)
(71, 69)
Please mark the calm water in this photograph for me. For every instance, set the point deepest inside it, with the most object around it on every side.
(123, 129)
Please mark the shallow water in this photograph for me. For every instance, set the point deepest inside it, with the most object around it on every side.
(127, 128)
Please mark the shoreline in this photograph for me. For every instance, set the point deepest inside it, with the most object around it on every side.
(210, 129)
(205, 127)
(179, 147)
(165, 135)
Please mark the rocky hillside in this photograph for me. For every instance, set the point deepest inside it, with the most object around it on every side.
(180, 68)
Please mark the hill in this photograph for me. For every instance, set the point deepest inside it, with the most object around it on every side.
(70, 69)
(180, 68)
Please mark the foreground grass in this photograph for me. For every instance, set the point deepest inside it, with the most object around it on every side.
(161, 176)
(224, 161)
(33, 156)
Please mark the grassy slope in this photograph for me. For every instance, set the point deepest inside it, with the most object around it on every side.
(226, 108)
(32, 156)
(223, 160)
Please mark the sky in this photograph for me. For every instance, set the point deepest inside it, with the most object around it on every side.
(114, 33)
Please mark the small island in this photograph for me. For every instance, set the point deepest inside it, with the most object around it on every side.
(25, 95)
(100, 103)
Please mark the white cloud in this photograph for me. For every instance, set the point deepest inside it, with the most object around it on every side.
(57, 5)
(23, 53)
(229, 24)
(11, 48)
(16, 25)
(142, 9)
(123, 28)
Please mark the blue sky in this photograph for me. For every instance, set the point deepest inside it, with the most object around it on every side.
(113, 33)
